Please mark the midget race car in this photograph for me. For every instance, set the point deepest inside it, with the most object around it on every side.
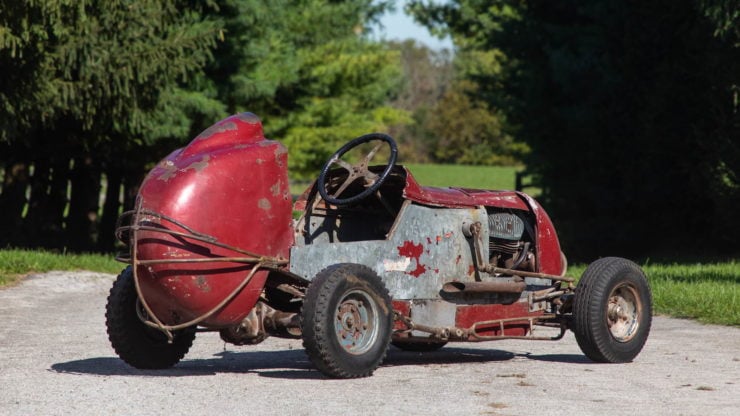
(364, 258)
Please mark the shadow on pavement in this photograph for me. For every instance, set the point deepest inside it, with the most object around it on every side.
(293, 364)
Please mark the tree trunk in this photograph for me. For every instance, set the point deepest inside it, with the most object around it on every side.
(12, 202)
(82, 221)
(111, 208)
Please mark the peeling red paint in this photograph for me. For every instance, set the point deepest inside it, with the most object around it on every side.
(471, 269)
(413, 251)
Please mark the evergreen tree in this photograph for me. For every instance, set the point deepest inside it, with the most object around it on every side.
(308, 70)
(631, 111)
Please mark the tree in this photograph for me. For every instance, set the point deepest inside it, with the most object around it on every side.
(94, 92)
(308, 70)
(631, 111)
(85, 85)
(451, 123)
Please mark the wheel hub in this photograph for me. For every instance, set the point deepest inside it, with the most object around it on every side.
(623, 313)
(355, 325)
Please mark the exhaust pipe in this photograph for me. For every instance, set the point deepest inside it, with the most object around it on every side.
(453, 288)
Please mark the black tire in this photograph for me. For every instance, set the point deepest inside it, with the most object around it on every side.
(612, 310)
(346, 321)
(419, 346)
(136, 343)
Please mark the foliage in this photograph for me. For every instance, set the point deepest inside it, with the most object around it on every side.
(450, 124)
(467, 131)
(100, 68)
(305, 68)
(630, 109)
(94, 92)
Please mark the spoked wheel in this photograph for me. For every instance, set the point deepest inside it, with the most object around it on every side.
(612, 310)
(372, 181)
(135, 342)
(346, 321)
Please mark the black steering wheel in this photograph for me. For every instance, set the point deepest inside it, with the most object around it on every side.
(360, 170)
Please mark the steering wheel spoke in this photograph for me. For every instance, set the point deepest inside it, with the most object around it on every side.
(344, 164)
(373, 181)
(347, 182)
(372, 153)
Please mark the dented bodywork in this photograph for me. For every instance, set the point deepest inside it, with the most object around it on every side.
(213, 245)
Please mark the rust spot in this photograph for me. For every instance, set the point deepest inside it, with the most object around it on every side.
(429, 240)
(471, 269)
(275, 189)
(217, 128)
(457, 260)
(264, 204)
(202, 283)
(249, 118)
(199, 166)
(170, 170)
(413, 251)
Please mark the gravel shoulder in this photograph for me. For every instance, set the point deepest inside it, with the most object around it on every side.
(55, 359)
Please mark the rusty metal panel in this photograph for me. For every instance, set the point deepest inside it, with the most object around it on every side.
(425, 249)
(436, 313)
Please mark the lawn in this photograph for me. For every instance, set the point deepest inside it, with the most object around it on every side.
(476, 177)
(17, 263)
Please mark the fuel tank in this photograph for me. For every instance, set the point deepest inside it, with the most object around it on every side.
(229, 184)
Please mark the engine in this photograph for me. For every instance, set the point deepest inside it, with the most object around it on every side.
(511, 241)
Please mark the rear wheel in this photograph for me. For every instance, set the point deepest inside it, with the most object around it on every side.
(612, 310)
(346, 321)
(135, 342)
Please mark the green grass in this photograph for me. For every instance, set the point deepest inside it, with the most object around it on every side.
(14, 264)
(463, 176)
(476, 177)
(708, 292)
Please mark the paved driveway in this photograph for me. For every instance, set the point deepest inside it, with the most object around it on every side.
(55, 360)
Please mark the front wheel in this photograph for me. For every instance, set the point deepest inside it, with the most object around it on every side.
(135, 342)
(612, 310)
(346, 321)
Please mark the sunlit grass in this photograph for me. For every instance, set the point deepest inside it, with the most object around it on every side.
(707, 292)
(17, 263)
(462, 176)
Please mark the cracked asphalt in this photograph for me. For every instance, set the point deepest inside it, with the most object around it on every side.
(55, 359)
